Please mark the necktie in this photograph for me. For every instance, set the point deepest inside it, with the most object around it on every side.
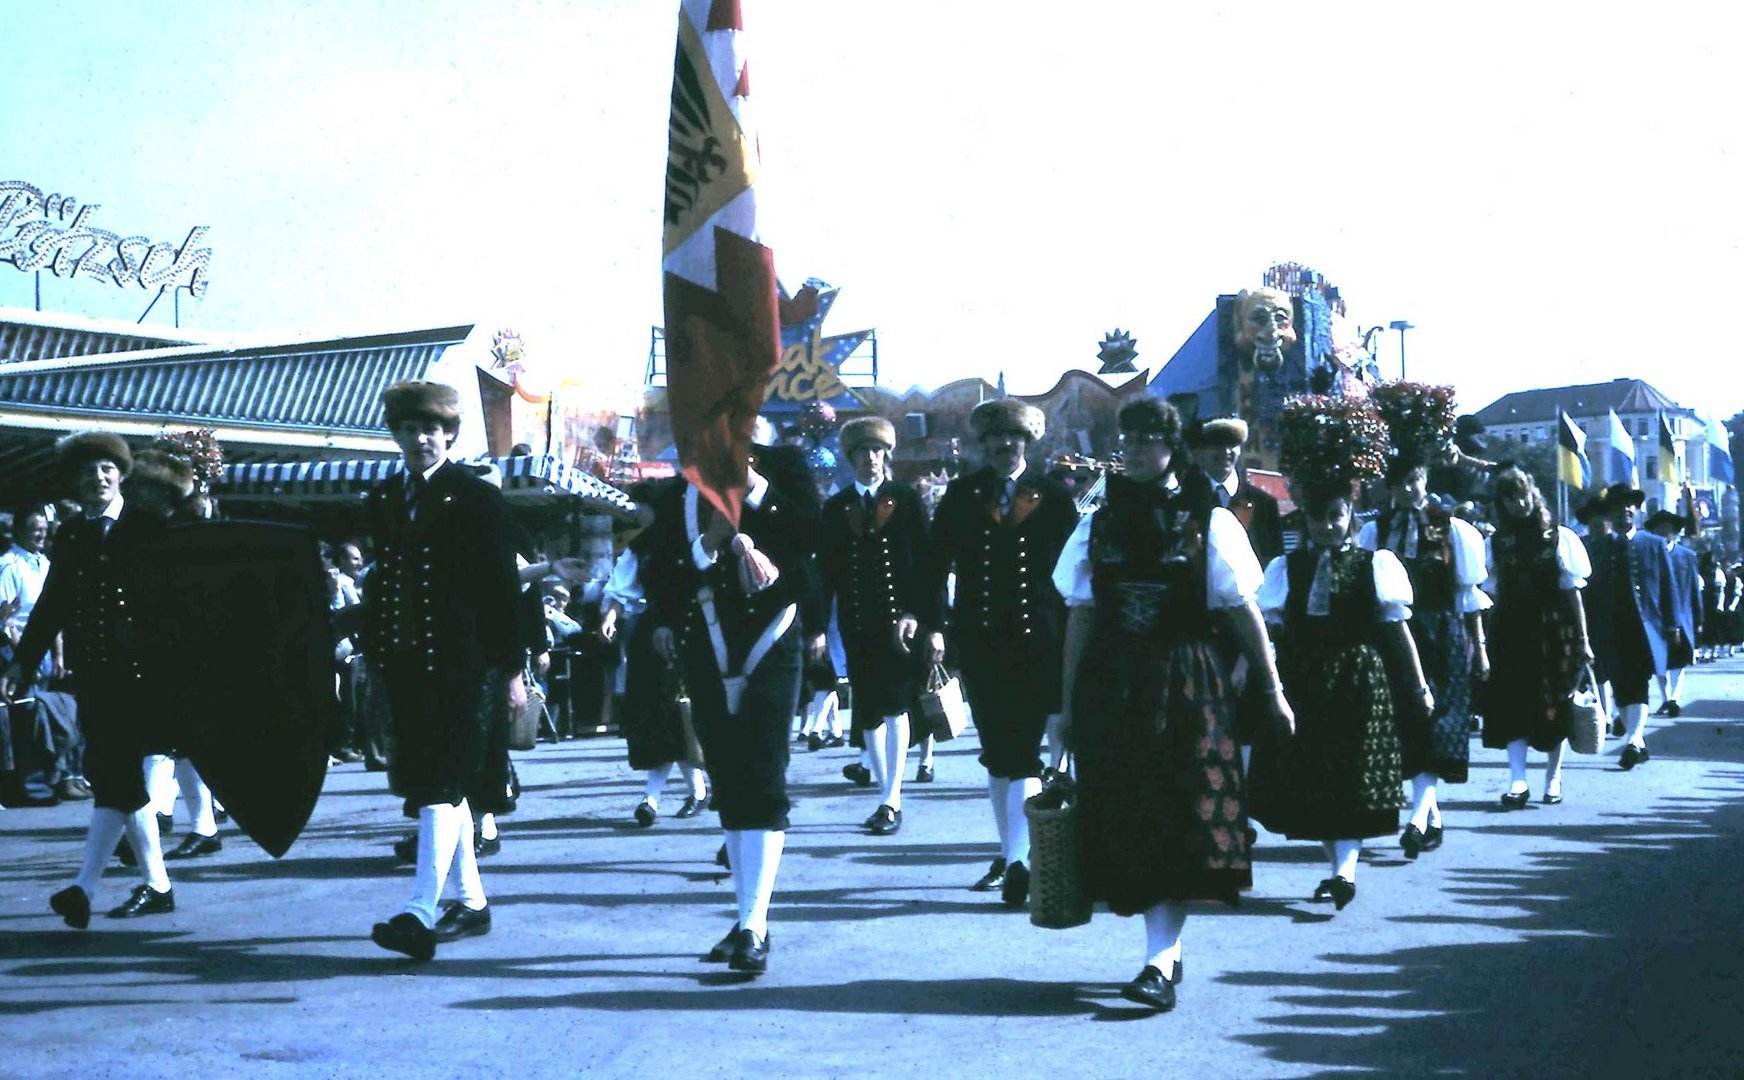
(1223, 496)
(105, 524)
(869, 502)
(414, 491)
(1405, 534)
(1007, 496)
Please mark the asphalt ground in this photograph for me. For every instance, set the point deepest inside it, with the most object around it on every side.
(1596, 938)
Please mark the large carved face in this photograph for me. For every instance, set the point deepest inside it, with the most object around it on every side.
(1265, 325)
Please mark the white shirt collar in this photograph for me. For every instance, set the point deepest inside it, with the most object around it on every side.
(865, 491)
(113, 510)
(1231, 483)
(428, 473)
(1021, 466)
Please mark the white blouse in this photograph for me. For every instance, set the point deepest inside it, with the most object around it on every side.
(625, 584)
(1572, 564)
(1392, 587)
(1471, 563)
(1232, 573)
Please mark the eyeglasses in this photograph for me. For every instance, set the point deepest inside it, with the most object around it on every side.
(1148, 438)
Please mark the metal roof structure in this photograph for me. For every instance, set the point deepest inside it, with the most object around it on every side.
(1624, 396)
(524, 477)
(32, 335)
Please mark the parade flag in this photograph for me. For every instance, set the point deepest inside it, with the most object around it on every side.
(1622, 460)
(1719, 449)
(1668, 470)
(723, 328)
(1572, 466)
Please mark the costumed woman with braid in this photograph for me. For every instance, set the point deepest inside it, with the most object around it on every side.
(1162, 816)
(1444, 557)
(1539, 632)
(736, 608)
(1335, 606)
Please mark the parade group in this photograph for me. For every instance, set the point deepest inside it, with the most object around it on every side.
(1178, 659)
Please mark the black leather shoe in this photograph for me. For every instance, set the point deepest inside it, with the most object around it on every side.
(1412, 841)
(1551, 798)
(482, 848)
(1150, 988)
(1176, 976)
(1632, 756)
(146, 901)
(750, 952)
(374, 765)
(721, 858)
(1517, 800)
(1673, 709)
(460, 921)
(1337, 890)
(405, 934)
(993, 879)
(885, 822)
(814, 742)
(692, 806)
(723, 950)
(194, 845)
(406, 849)
(858, 773)
(73, 905)
(645, 813)
(1431, 838)
(1643, 757)
(923, 775)
(1015, 890)
(834, 741)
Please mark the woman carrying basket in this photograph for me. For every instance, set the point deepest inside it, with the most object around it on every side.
(1162, 813)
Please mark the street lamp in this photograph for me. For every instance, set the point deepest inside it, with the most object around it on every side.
(1401, 326)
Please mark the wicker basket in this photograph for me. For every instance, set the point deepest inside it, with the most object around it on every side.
(1056, 897)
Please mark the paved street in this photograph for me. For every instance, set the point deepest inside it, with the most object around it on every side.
(1596, 938)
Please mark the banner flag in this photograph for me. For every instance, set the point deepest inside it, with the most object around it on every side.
(1572, 465)
(723, 328)
(1668, 463)
(1622, 459)
(1719, 449)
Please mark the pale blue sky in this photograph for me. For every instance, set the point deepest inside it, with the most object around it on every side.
(1548, 191)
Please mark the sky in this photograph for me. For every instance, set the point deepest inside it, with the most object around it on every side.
(1549, 193)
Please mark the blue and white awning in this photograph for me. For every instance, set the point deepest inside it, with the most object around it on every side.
(522, 475)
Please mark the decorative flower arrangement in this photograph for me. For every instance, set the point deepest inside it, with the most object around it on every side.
(1419, 417)
(1327, 439)
(817, 421)
(199, 448)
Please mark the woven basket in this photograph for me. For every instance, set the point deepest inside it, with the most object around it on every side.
(1056, 897)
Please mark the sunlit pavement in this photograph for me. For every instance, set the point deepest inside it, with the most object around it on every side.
(1599, 937)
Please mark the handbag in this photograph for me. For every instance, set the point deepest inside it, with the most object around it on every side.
(1583, 714)
(941, 705)
(524, 725)
(1056, 893)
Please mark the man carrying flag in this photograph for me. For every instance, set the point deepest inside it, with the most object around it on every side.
(731, 570)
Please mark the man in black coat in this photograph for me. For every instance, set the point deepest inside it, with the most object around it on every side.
(439, 623)
(871, 556)
(1000, 529)
(1630, 612)
(1215, 443)
(97, 565)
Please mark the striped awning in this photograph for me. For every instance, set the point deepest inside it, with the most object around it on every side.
(303, 481)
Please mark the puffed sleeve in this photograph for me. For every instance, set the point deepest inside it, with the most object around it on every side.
(1471, 568)
(1232, 572)
(1275, 589)
(1072, 571)
(1368, 536)
(1571, 560)
(1392, 587)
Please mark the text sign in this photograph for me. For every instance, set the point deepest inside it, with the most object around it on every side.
(54, 232)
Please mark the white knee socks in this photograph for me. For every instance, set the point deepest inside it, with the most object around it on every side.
(756, 857)
(1635, 723)
(439, 829)
(1344, 853)
(196, 797)
(895, 758)
(1553, 769)
(1163, 925)
(1676, 680)
(468, 886)
(1517, 766)
(1422, 798)
(877, 751)
(147, 847)
(656, 783)
(693, 776)
(998, 788)
(487, 826)
(160, 783)
(101, 836)
(1017, 822)
(926, 751)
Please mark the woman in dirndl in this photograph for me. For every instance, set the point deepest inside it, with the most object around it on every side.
(1538, 633)
(1444, 558)
(1162, 817)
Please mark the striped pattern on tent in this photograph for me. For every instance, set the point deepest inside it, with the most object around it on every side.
(352, 479)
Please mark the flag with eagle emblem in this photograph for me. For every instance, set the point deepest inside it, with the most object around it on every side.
(723, 327)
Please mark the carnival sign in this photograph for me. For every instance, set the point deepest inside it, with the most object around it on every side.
(810, 362)
(54, 232)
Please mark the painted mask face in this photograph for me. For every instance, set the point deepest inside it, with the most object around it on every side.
(1265, 325)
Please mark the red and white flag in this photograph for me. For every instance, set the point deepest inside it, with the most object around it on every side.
(723, 330)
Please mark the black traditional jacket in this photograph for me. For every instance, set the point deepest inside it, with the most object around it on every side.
(1004, 562)
(874, 566)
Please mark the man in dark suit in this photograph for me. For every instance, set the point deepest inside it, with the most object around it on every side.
(1215, 443)
(96, 566)
(1631, 619)
(871, 552)
(1686, 603)
(439, 623)
(1001, 529)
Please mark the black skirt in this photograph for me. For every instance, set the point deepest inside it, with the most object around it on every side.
(653, 732)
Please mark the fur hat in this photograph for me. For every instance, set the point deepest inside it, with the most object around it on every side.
(1218, 431)
(166, 471)
(1008, 416)
(76, 451)
(417, 400)
(868, 431)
